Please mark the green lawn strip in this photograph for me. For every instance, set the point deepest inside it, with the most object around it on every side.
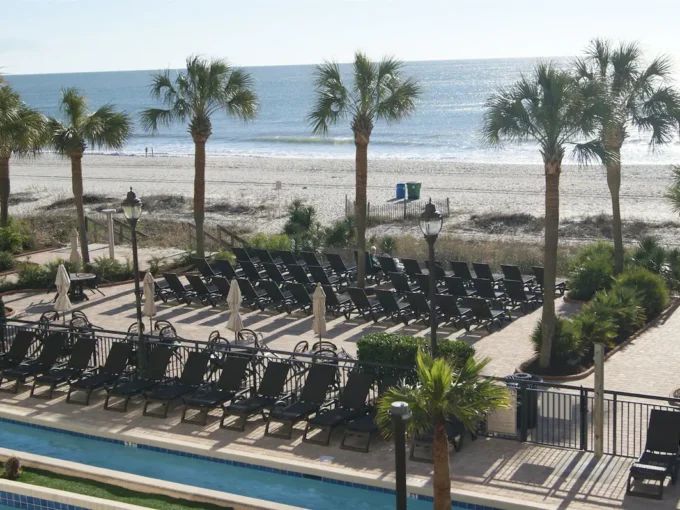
(111, 492)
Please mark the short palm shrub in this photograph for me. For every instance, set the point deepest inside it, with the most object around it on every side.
(112, 270)
(12, 469)
(651, 255)
(270, 242)
(224, 255)
(341, 233)
(567, 348)
(388, 244)
(592, 269)
(33, 276)
(622, 305)
(11, 239)
(593, 328)
(649, 286)
(6, 260)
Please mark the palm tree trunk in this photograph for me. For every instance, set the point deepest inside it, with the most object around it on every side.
(77, 184)
(552, 223)
(614, 183)
(4, 191)
(442, 473)
(199, 195)
(360, 205)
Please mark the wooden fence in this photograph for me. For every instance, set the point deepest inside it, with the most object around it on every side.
(98, 230)
(401, 210)
(219, 238)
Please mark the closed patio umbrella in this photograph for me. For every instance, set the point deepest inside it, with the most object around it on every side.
(319, 309)
(63, 282)
(235, 323)
(74, 258)
(149, 309)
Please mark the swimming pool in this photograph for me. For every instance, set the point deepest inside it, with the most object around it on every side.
(297, 489)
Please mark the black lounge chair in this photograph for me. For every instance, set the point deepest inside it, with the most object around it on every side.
(423, 281)
(401, 284)
(251, 296)
(412, 268)
(183, 293)
(270, 391)
(301, 297)
(350, 405)
(281, 300)
(484, 271)
(242, 255)
(227, 270)
(560, 284)
(461, 270)
(369, 308)
(483, 314)
(373, 271)
(114, 367)
(342, 271)
(206, 293)
(157, 364)
(169, 391)
(439, 272)
(81, 355)
(222, 285)
(52, 348)
(420, 308)
(388, 265)
(521, 298)
(264, 256)
(336, 303)
(204, 268)
(455, 286)
(320, 378)
(320, 276)
(251, 271)
(18, 351)
(455, 432)
(485, 289)
(162, 290)
(452, 313)
(211, 396)
(513, 273)
(288, 258)
(396, 309)
(660, 457)
(300, 275)
(311, 260)
(275, 274)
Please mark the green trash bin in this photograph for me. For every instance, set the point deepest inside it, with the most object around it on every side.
(413, 190)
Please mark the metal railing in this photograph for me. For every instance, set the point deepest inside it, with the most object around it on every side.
(402, 210)
(548, 414)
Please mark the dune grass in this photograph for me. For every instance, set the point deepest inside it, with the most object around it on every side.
(110, 492)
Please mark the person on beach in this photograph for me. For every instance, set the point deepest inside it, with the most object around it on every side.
(374, 265)
(146, 152)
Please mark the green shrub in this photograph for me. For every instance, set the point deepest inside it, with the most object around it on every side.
(11, 240)
(591, 270)
(6, 260)
(593, 328)
(301, 218)
(112, 270)
(649, 286)
(224, 255)
(622, 305)
(651, 255)
(32, 276)
(566, 346)
(400, 350)
(388, 244)
(341, 233)
(267, 242)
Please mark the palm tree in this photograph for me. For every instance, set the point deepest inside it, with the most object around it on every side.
(443, 393)
(379, 92)
(633, 96)
(104, 128)
(206, 88)
(22, 132)
(551, 108)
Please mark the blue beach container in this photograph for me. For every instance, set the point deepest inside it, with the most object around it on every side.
(401, 191)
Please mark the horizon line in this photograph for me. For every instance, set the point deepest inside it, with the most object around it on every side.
(290, 65)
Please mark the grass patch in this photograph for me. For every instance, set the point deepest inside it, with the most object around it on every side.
(494, 223)
(222, 206)
(155, 203)
(88, 199)
(111, 492)
(21, 198)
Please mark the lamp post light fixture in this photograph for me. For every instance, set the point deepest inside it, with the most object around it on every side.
(431, 222)
(132, 209)
(400, 414)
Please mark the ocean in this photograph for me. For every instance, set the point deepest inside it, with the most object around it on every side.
(445, 127)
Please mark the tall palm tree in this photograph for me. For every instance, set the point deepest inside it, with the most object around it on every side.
(206, 88)
(552, 109)
(104, 128)
(22, 132)
(378, 92)
(633, 96)
(443, 393)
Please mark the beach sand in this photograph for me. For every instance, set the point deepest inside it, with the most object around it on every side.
(249, 182)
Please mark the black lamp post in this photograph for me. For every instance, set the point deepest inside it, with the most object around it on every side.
(132, 209)
(400, 414)
(431, 222)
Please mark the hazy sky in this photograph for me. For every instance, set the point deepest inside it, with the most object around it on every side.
(41, 36)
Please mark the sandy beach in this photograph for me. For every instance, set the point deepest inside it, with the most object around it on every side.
(249, 181)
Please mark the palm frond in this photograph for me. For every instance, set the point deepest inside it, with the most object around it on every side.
(162, 88)
(237, 96)
(365, 74)
(398, 100)
(660, 114)
(673, 191)
(63, 138)
(593, 152)
(598, 52)
(333, 100)
(74, 105)
(107, 128)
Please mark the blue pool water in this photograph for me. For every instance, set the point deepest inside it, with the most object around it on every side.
(281, 488)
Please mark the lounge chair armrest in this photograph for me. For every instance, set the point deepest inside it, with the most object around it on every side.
(330, 404)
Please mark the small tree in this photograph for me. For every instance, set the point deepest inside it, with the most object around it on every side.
(443, 393)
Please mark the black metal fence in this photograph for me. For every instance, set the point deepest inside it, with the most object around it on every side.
(547, 413)
(401, 210)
